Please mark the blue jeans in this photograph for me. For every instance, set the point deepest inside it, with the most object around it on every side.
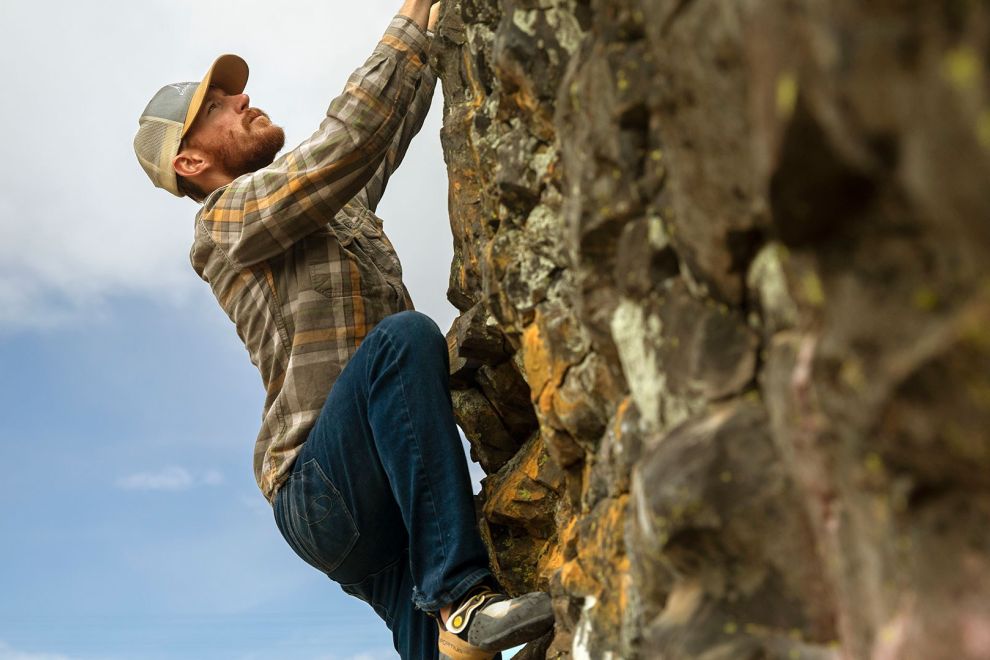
(380, 498)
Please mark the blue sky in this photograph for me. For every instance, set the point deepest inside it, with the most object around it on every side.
(131, 524)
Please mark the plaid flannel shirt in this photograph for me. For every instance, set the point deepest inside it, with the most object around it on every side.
(295, 254)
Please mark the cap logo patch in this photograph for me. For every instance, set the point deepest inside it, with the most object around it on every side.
(180, 88)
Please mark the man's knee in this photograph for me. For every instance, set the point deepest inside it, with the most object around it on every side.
(413, 328)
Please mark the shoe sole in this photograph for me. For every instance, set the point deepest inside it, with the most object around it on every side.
(529, 617)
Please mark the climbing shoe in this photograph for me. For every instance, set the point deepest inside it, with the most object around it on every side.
(486, 622)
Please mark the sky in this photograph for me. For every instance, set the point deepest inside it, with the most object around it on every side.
(130, 523)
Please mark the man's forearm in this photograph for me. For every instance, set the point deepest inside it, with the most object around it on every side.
(279, 205)
(418, 11)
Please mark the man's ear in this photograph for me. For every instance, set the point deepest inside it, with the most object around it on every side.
(189, 163)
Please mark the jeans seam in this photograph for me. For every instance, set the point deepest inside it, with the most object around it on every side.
(419, 458)
(289, 531)
(389, 616)
(381, 570)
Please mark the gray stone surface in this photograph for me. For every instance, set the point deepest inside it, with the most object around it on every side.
(724, 271)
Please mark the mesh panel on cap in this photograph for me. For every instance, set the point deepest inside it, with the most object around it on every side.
(156, 143)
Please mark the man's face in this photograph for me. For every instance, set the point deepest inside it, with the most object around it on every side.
(239, 138)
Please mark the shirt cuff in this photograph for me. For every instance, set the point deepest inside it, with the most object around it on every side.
(409, 32)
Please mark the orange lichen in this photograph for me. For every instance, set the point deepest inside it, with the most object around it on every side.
(536, 359)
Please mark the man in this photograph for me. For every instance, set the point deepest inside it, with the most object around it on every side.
(358, 452)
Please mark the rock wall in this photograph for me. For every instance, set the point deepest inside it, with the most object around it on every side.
(724, 349)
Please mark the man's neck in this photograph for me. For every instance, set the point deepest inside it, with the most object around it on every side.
(210, 181)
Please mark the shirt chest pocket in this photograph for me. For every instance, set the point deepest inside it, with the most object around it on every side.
(340, 266)
(362, 227)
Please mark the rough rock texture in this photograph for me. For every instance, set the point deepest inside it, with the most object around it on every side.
(724, 350)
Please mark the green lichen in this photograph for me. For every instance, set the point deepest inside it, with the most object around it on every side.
(812, 288)
(874, 464)
(622, 82)
(637, 340)
(925, 299)
(566, 26)
(766, 276)
(787, 93)
(961, 67)
(542, 221)
(525, 20)
(574, 90)
(542, 161)
(753, 396)
(696, 287)
(851, 373)
(657, 233)
(478, 34)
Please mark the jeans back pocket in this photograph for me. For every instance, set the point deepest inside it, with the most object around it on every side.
(313, 518)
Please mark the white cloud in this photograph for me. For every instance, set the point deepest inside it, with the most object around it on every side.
(171, 478)
(80, 223)
(212, 478)
(9, 653)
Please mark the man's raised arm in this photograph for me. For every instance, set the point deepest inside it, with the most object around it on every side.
(411, 124)
(372, 193)
(260, 215)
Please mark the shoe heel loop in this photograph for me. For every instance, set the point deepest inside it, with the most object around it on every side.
(461, 617)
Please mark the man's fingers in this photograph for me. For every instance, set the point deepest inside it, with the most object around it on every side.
(434, 15)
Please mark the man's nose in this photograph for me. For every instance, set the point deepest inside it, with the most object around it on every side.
(242, 102)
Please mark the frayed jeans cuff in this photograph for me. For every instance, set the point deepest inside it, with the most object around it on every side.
(450, 596)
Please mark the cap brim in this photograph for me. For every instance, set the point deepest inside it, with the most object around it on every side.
(229, 73)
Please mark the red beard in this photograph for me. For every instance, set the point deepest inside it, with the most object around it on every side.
(251, 151)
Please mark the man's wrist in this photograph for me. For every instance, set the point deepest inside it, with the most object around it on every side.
(418, 11)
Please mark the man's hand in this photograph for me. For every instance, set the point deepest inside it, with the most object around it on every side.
(434, 15)
(418, 11)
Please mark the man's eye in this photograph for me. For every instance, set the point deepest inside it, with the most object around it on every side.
(210, 107)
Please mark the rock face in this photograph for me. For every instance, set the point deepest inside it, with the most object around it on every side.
(724, 350)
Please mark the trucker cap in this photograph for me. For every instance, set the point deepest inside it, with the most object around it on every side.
(170, 115)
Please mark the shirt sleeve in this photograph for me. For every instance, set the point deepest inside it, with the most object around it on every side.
(372, 193)
(262, 214)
